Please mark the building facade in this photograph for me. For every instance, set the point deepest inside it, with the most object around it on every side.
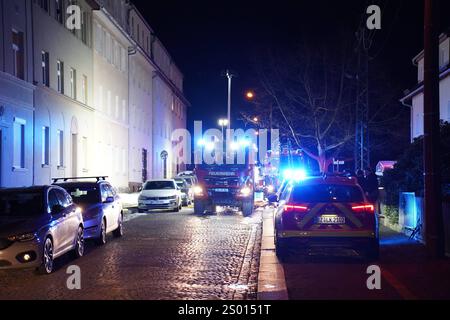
(78, 102)
(414, 98)
(16, 94)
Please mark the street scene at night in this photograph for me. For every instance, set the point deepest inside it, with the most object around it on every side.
(242, 152)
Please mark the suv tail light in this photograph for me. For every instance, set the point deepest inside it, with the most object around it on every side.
(368, 208)
(295, 207)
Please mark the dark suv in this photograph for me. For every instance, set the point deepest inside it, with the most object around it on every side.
(326, 211)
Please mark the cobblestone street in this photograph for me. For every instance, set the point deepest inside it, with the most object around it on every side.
(162, 256)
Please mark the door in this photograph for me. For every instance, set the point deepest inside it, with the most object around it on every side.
(71, 220)
(59, 226)
(74, 155)
(144, 165)
(108, 208)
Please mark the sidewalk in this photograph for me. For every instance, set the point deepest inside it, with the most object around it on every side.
(406, 266)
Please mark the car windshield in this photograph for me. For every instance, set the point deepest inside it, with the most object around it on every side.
(158, 185)
(84, 195)
(21, 204)
(326, 193)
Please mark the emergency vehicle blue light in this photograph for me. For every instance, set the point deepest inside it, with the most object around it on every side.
(201, 142)
(295, 174)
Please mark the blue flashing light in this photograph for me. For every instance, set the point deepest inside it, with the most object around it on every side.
(295, 174)
(201, 142)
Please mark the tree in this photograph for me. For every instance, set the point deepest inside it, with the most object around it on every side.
(312, 94)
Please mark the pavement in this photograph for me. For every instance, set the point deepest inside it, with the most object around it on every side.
(406, 272)
(161, 256)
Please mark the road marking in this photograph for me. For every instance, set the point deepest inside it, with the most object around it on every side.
(271, 279)
(398, 286)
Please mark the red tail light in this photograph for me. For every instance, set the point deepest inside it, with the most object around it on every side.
(291, 207)
(364, 208)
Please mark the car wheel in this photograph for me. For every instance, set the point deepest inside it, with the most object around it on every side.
(281, 250)
(373, 251)
(119, 231)
(47, 257)
(247, 208)
(79, 246)
(101, 240)
(199, 207)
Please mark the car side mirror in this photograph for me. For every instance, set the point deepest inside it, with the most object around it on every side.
(57, 209)
(109, 200)
(140, 189)
(272, 198)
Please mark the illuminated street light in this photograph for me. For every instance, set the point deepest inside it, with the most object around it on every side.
(250, 95)
(255, 119)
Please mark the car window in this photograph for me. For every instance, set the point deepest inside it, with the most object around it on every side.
(110, 191)
(285, 191)
(21, 204)
(326, 193)
(158, 185)
(104, 192)
(63, 198)
(84, 194)
(52, 199)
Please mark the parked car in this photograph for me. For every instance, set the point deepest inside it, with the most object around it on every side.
(326, 212)
(187, 194)
(101, 206)
(161, 194)
(38, 225)
(189, 176)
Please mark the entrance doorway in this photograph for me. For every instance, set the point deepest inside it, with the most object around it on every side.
(74, 155)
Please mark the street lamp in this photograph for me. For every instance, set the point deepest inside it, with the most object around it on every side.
(223, 123)
(250, 95)
(255, 119)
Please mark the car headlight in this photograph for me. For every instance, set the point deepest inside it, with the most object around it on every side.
(23, 237)
(245, 191)
(270, 188)
(198, 191)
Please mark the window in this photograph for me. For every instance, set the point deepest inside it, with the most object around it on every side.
(84, 92)
(116, 113)
(59, 13)
(44, 4)
(109, 102)
(45, 146)
(84, 145)
(19, 143)
(45, 69)
(84, 28)
(60, 137)
(73, 83)
(60, 76)
(18, 55)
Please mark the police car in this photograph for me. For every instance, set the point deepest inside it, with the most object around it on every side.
(326, 211)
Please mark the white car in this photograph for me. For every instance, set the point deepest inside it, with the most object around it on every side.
(161, 194)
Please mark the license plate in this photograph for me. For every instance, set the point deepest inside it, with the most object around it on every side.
(331, 219)
(157, 202)
(221, 190)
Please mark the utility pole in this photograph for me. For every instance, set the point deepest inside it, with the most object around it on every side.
(362, 147)
(432, 174)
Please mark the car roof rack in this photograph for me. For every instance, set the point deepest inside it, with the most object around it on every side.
(103, 178)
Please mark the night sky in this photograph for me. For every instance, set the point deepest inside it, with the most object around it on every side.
(207, 37)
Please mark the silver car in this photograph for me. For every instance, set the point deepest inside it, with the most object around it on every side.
(38, 225)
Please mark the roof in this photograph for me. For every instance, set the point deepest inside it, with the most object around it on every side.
(29, 189)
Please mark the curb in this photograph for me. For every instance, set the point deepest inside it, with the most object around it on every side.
(271, 280)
